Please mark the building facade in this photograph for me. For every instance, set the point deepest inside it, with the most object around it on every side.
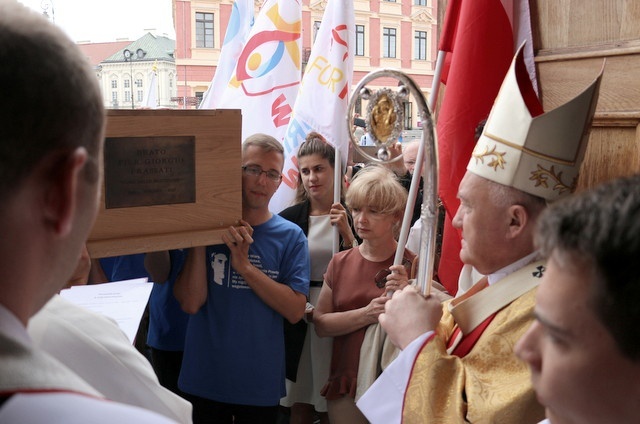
(126, 75)
(389, 34)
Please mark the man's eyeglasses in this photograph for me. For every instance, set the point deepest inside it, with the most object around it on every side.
(256, 171)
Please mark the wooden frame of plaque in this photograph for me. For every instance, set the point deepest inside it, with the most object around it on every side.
(172, 180)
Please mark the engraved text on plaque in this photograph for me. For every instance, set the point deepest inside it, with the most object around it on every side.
(147, 171)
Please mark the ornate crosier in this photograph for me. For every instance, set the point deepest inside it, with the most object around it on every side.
(541, 177)
(385, 122)
(498, 157)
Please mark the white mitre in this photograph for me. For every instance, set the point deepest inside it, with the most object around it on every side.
(522, 147)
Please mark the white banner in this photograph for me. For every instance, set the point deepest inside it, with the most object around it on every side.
(324, 95)
(238, 29)
(265, 82)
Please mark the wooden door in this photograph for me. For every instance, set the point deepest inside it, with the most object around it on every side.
(572, 38)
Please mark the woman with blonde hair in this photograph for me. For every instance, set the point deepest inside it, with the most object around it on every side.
(356, 281)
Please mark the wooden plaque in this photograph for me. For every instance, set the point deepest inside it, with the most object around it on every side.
(172, 180)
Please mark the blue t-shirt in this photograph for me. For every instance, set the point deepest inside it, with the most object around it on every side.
(167, 320)
(128, 267)
(234, 350)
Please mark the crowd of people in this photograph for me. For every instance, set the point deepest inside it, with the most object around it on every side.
(543, 327)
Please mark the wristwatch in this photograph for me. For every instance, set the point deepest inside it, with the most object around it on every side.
(354, 243)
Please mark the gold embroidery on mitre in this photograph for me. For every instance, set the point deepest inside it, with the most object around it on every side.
(530, 152)
(497, 157)
(542, 176)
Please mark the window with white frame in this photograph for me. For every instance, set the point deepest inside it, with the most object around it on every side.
(420, 45)
(408, 115)
(389, 42)
(114, 83)
(420, 2)
(204, 30)
(359, 40)
(127, 83)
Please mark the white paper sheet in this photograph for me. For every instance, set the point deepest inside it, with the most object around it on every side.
(123, 301)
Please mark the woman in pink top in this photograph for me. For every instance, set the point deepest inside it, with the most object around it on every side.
(353, 293)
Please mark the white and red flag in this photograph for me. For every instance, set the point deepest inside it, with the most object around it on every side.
(323, 98)
(238, 29)
(266, 78)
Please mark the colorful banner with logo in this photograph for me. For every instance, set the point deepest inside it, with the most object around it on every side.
(238, 29)
(473, 73)
(324, 95)
(265, 82)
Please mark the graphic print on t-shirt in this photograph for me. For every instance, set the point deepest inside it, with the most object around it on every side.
(218, 262)
(224, 275)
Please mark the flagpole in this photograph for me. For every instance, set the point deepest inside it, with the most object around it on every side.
(337, 184)
(435, 86)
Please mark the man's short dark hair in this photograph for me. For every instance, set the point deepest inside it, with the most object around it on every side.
(600, 230)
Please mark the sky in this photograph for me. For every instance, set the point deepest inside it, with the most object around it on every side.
(107, 20)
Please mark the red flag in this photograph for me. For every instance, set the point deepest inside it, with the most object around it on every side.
(479, 36)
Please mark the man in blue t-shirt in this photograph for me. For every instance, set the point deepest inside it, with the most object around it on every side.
(238, 294)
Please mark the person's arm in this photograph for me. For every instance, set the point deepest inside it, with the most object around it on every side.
(340, 218)
(95, 348)
(96, 273)
(190, 287)
(454, 388)
(397, 166)
(280, 297)
(158, 265)
(331, 324)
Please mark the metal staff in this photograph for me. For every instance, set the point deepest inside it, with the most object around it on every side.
(385, 122)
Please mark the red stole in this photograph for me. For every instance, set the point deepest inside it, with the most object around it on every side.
(468, 341)
(461, 344)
